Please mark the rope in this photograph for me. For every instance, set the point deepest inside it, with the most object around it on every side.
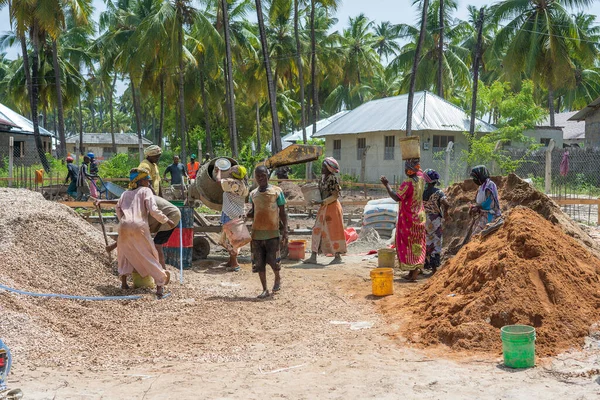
(70, 297)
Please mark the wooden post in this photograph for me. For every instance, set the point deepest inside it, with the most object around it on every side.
(494, 163)
(141, 149)
(11, 155)
(77, 148)
(447, 166)
(548, 174)
(199, 152)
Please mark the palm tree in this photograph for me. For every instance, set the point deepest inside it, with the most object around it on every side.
(413, 75)
(229, 81)
(300, 66)
(276, 143)
(386, 42)
(536, 42)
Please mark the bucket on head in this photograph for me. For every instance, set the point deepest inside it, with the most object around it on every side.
(382, 280)
(296, 249)
(139, 282)
(311, 192)
(518, 345)
(409, 147)
(386, 258)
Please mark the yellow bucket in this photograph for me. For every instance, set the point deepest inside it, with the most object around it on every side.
(383, 281)
(139, 282)
(386, 258)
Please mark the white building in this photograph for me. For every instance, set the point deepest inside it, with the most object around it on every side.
(101, 144)
(379, 124)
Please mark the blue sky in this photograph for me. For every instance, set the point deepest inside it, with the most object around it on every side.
(395, 11)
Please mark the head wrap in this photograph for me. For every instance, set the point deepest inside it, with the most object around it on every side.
(153, 150)
(193, 156)
(69, 159)
(433, 176)
(136, 175)
(332, 165)
(412, 166)
(241, 172)
(480, 174)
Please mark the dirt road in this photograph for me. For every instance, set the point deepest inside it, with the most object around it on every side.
(211, 339)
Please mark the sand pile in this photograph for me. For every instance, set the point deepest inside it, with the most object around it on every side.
(513, 191)
(47, 248)
(291, 191)
(529, 272)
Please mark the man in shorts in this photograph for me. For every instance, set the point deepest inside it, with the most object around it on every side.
(268, 209)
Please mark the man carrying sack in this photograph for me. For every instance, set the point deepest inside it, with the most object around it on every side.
(235, 190)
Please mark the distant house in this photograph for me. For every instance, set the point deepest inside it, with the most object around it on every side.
(12, 124)
(573, 132)
(379, 124)
(101, 144)
(542, 134)
(591, 115)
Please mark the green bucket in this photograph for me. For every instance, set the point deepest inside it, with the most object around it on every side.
(518, 346)
(178, 203)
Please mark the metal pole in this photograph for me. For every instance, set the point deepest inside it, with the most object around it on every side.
(548, 171)
(181, 250)
(11, 154)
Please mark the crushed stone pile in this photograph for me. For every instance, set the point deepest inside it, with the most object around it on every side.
(529, 272)
(513, 191)
(47, 248)
(291, 191)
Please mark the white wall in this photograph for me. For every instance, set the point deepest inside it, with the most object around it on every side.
(538, 133)
(376, 165)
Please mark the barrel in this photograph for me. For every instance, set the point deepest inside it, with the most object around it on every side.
(386, 258)
(171, 249)
(205, 188)
(518, 346)
(382, 280)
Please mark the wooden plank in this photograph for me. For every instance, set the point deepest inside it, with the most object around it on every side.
(300, 203)
(85, 204)
(564, 202)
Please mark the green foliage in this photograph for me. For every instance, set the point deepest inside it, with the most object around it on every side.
(519, 113)
(118, 166)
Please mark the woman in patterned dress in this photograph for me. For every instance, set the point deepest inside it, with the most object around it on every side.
(436, 207)
(328, 233)
(410, 228)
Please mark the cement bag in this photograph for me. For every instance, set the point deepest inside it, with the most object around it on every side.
(372, 219)
(237, 233)
(379, 226)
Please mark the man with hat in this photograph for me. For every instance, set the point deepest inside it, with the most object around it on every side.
(150, 163)
(192, 168)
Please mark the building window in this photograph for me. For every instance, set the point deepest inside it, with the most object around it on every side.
(337, 149)
(19, 149)
(390, 143)
(107, 152)
(545, 141)
(440, 142)
(361, 145)
(132, 150)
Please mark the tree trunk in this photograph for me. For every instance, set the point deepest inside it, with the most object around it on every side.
(258, 143)
(161, 121)
(80, 122)
(440, 71)
(413, 76)
(300, 71)
(476, 77)
(181, 93)
(551, 103)
(313, 67)
(231, 98)
(33, 95)
(112, 116)
(276, 143)
(209, 146)
(137, 112)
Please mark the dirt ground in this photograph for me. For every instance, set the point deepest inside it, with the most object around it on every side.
(211, 339)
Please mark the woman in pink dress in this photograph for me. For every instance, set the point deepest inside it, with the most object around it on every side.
(136, 248)
(410, 228)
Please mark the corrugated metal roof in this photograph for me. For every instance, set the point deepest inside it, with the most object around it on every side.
(430, 112)
(572, 130)
(590, 108)
(296, 136)
(20, 123)
(105, 138)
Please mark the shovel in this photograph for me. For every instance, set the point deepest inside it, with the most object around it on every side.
(103, 229)
(469, 232)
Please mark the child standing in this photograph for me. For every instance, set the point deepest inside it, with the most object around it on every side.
(268, 209)
(436, 208)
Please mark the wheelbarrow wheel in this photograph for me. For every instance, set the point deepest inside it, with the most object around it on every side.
(201, 248)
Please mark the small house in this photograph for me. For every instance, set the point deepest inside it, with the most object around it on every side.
(101, 144)
(377, 126)
(14, 125)
(591, 115)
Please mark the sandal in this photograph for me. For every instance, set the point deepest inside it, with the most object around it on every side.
(263, 295)
(276, 287)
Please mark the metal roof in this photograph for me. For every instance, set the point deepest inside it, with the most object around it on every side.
(296, 136)
(572, 130)
(430, 112)
(18, 123)
(105, 138)
(590, 108)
